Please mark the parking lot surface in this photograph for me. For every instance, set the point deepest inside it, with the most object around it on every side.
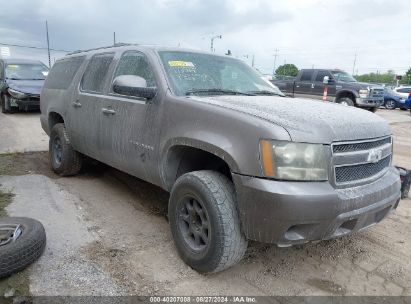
(107, 234)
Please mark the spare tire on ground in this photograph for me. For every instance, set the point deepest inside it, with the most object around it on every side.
(22, 241)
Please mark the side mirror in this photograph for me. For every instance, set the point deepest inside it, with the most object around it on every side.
(328, 80)
(132, 85)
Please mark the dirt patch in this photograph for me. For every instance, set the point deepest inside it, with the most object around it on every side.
(15, 289)
(5, 199)
(327, 286)
(25, 163)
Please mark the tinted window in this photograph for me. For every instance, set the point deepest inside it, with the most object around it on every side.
(404, 90)
(135, 63)
(321, 74)
(96, 72)
(1, 70)
(306, 75)
(62, 73)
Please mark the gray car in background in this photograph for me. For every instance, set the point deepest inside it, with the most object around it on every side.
(240, 160)
(21, 81)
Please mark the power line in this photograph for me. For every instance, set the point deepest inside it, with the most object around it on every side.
(33, 47)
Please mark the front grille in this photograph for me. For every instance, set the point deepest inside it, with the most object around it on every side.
(344, 148)
(377, 93)
(362, 171)
(356, 162)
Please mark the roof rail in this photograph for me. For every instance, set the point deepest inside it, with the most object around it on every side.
(102, 47)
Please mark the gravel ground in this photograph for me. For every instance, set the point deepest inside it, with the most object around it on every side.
(108, 235)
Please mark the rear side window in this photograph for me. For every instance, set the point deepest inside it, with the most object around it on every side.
(62, 73)
(306, 75)
(404, 90)
(321, 74)
(95, 75)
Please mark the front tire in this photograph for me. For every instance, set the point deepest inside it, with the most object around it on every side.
(204, 221)
(64, 160)
(390, 104)
(346, 101)
(6, 107)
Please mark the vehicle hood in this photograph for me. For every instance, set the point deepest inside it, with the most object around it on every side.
(307, 120)
(366, 85)
(31, 87)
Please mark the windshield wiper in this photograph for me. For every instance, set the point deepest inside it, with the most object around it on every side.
(265, 92)
(218, 91)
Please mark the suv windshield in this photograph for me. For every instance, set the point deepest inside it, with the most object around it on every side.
(29, 71)
(343, 76)
(206, 74)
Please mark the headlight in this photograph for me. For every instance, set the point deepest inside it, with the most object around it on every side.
(17, 94)
(363, 93)
(293, 161)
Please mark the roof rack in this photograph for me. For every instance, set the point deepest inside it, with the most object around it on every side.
(102, 47)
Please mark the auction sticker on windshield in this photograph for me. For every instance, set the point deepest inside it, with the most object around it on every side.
(178, 63)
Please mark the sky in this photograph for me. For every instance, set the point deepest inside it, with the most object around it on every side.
(307, 33)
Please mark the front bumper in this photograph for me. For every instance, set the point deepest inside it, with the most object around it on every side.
(29, 102)
(287, 213)
(369, 102)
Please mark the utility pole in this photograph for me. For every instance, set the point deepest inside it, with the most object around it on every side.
(355, 61)
(252, 61)
(114, 38)
(212, 41)
(48, 43)
(275, 59)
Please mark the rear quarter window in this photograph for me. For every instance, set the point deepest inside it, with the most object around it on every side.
(62, 73)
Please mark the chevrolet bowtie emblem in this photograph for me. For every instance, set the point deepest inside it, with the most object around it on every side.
(374, 156)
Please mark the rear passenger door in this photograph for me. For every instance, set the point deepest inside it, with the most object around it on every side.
(85, 109)
(123, 128)
(303, 87)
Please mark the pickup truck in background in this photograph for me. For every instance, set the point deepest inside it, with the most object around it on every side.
(342, 88)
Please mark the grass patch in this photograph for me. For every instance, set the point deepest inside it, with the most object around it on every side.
(19, 283)
(5, 199)
(6, 163)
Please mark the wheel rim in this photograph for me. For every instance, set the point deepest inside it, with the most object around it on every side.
(344, 103)
(57, 150)
(9, 233)
(390, 104)
(193, 223)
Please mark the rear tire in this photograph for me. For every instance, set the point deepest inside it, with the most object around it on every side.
(204, 221)
(346, 101)
(373, 110)
(64, 160)
(25, 249)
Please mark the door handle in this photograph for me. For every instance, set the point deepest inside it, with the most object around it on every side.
(108, 111)
(76, 104)
(297, 86)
